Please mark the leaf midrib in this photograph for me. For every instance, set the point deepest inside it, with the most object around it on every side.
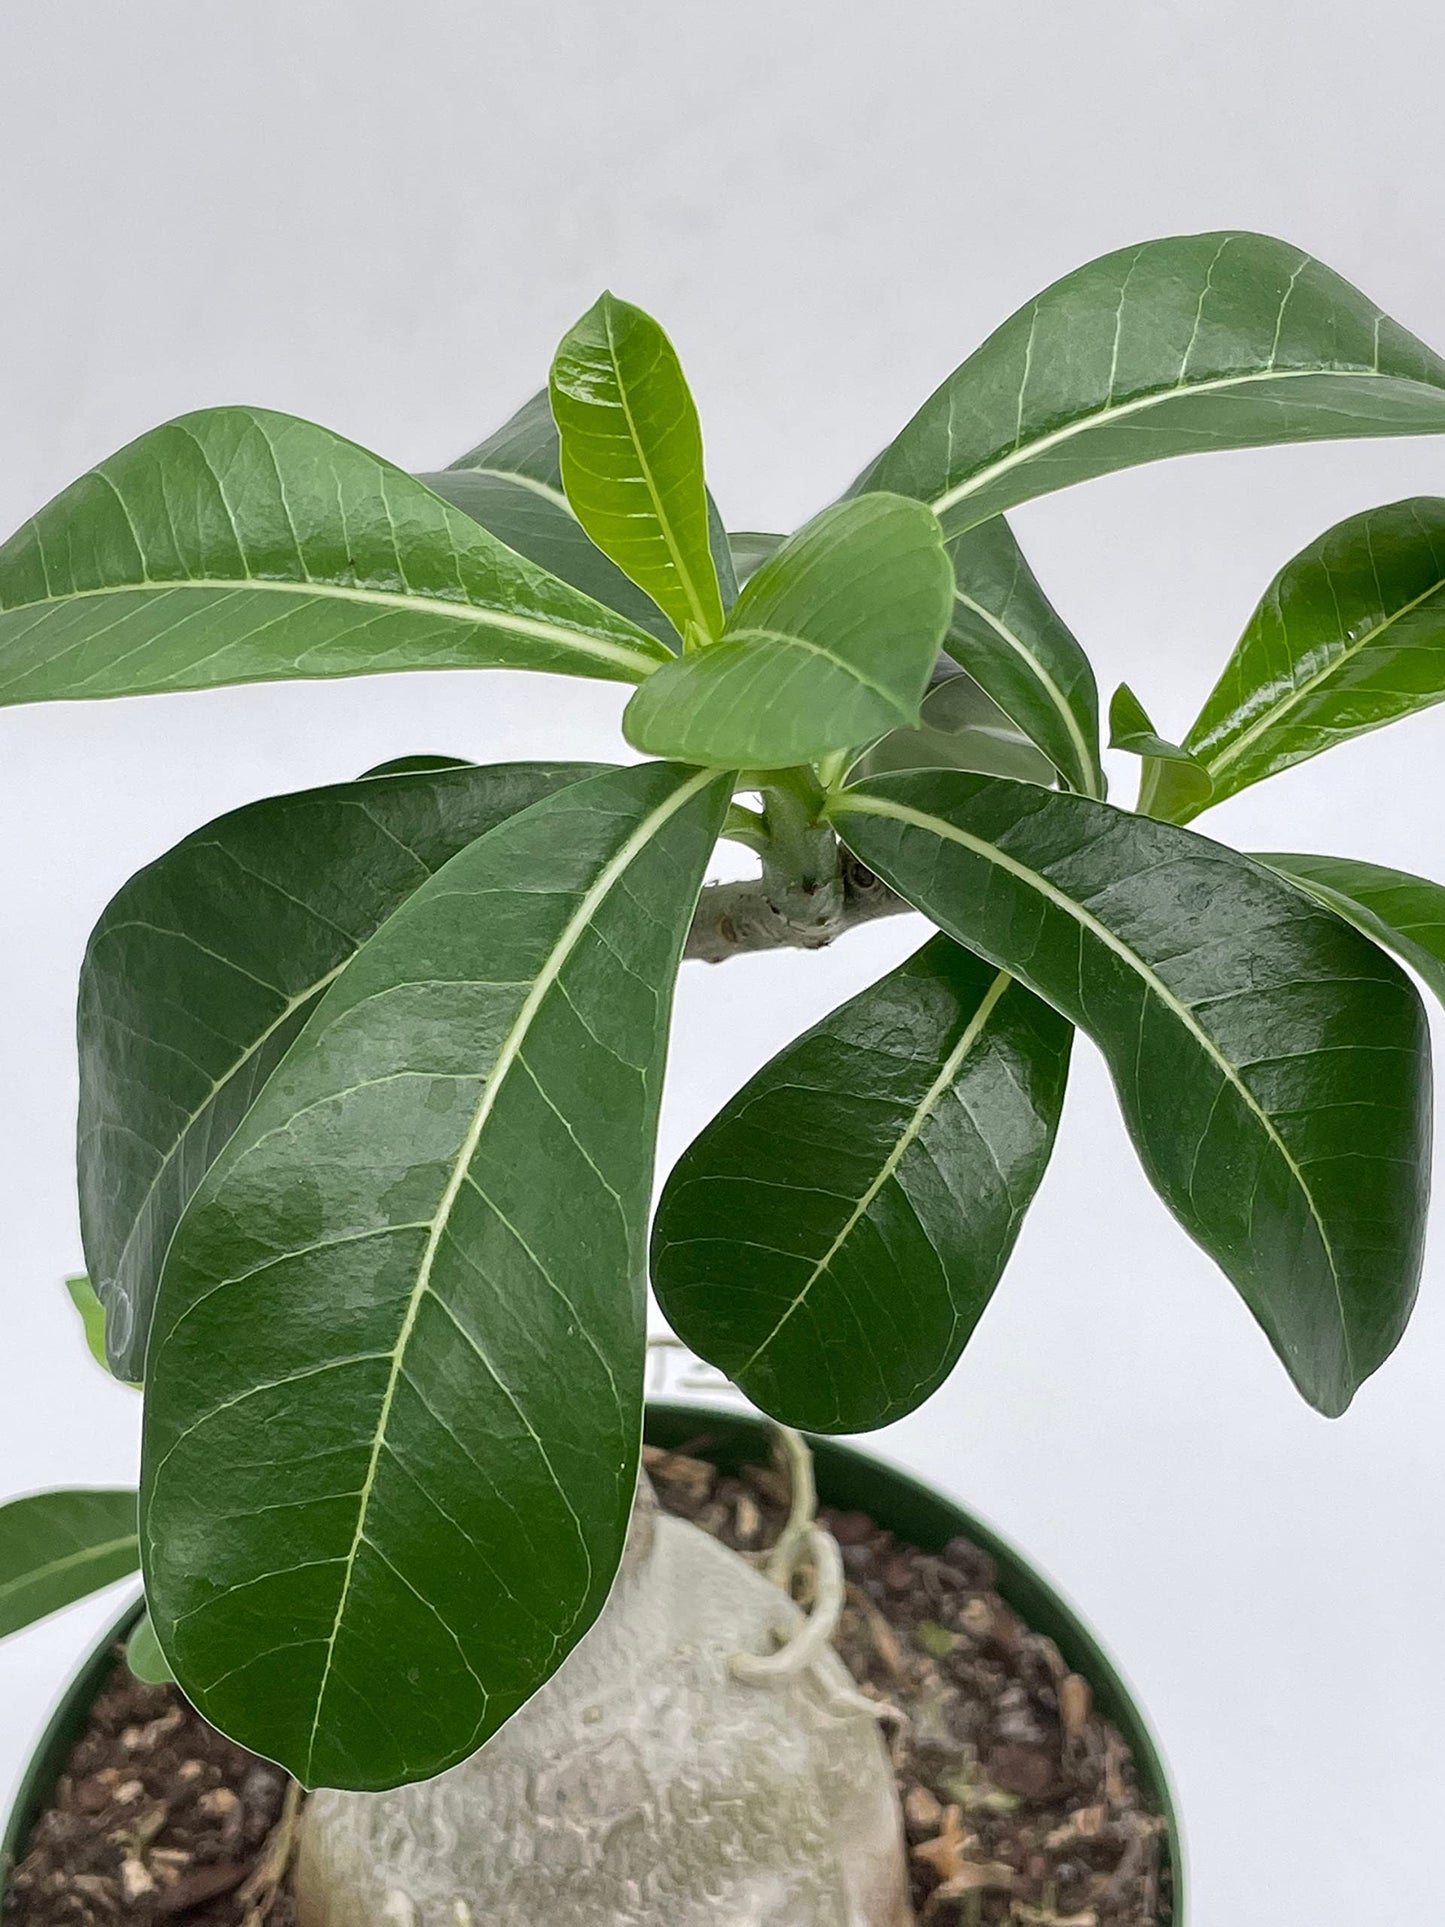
(37, 1575)
(920, 1115)
(991, 853)
(790, 639)
(1051, 690)
(1027, 451)
(446, 606)
(1268, 718)
(507, 1056)
(683, 572)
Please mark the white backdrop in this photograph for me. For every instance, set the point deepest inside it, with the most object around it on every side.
(381, 216)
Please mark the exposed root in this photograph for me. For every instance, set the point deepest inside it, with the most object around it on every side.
(812, 1638)
(791, 1450)
(269, 1875)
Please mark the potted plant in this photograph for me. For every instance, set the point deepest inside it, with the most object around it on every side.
(370, 1074)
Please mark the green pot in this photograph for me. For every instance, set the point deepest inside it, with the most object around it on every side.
(848, 1479)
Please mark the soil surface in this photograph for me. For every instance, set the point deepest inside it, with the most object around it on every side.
(1021, 1802)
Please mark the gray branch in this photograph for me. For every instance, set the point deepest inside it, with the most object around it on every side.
(766, 913)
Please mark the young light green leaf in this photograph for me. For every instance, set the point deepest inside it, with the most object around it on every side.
(1350, 635)
(959, 728)
(528, 449)
(205, 966)
(1201, 341)
(632, 460)
(1404, 912)
(237, 545)
(830, 643)
(1173, 784)
(143, 1654)
(834, 1235)
(92, 1316)
(396, 1371)
(1272, 1064)
(1009, 637)
(750, 549)
(55, 1547)
(541, 526)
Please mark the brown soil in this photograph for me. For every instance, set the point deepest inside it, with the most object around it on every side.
(1021, 1802)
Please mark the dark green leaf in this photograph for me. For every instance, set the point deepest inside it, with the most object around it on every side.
(830, 643)
(143, 1654)
(750, 549)
(959, 728)
(1202, 341)
(1271, 1062)
(1406, 913)
(203, 970)
(1009, 637)
(55, 1547)
(1173, 784)
(1350, 635)
(632, 460)
(236, 545)
(834, 1235)
(394, 1407)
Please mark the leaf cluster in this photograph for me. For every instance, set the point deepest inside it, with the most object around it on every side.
(370, 1074)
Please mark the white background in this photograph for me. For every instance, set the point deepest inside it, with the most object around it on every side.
(381, 216)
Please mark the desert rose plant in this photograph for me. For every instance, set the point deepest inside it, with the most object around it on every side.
(370, 1073)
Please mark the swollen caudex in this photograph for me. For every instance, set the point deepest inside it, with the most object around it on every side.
(700, 1760)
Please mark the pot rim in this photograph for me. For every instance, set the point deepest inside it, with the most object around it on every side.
(848, 1478)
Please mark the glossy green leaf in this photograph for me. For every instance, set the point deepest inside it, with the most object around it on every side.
(394, 1405)
(203, 969)
(541, 526)
(55, 1547)
(92, 1316)
(527, 447)
(1198, 342)
(832, 1238)
(1350, 635)
(1272, 1064)
(1009, 637)
(1173, 783)
(143, 1654)
(751, 548)
(830, 643)
(959, 728)
(1404, 912)
(632, 460)
(237, 545)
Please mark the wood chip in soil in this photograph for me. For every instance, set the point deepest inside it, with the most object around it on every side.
(1021, 1802)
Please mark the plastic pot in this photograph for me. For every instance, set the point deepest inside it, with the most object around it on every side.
(848, 1479)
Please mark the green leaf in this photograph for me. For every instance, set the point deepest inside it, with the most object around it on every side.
(832, 1238)
(1350, 635)
(236, 545)
(1009, 637)
(92, 1316)
(394, 1403)
(830, 643)
(528, 448)
(632, 460)
(1202, 341)
(541, 526)
(1173, 783)
(205, 966)
(144, 1657)
(55, 1547)
(1272, 1064)
(959, 728)
(750, 549)
(1404, 912)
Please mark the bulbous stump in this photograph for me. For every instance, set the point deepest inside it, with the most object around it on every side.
(645, 1785)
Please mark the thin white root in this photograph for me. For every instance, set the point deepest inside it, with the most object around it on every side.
(462, 1915)
(797, 1462)
(812, 1638)
(400, 1910)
